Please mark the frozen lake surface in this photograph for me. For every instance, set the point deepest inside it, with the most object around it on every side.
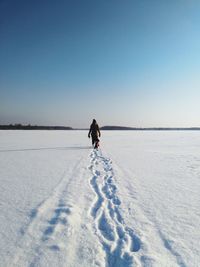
(134, 202)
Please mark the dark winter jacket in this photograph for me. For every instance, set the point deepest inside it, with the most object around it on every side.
(94, 130)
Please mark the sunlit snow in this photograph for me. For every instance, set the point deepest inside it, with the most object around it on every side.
(134, 202)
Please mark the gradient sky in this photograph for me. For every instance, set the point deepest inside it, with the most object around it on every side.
(128, 62)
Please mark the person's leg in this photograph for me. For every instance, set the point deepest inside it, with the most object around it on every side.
(96, 142)
(93, 140)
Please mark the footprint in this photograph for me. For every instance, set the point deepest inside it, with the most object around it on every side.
(116, 201)
(119, 216)
(109, 190)
(49, 231)
(59, 218)
(105, 228)
(90, 167)
(110, 180)
(116, 258)
(54, 248)
(135, 241)
(61, 210)
(100, 199)
(33, 213)
(108, 169)
(120, 232)
(97, 173)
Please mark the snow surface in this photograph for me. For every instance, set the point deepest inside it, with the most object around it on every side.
(134, 202)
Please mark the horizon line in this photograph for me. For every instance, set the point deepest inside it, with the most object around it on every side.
(106, 127)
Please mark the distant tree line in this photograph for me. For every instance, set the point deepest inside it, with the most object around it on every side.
(148, 129)
(19, 126)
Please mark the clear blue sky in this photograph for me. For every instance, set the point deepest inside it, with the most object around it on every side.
(128, 62)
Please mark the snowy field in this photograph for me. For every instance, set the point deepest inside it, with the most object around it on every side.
(135, 202)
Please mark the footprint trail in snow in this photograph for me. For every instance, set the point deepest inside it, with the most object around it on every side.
(118, 241)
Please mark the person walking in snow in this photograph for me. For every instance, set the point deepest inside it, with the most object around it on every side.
(94, 132)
